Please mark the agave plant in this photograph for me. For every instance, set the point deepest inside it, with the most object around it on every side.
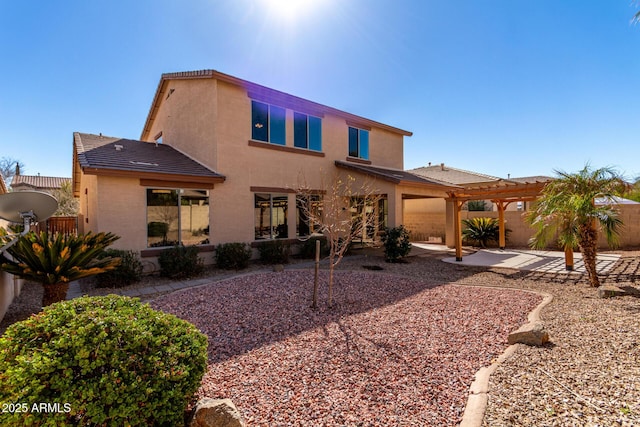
(56, 259)
(481, 230)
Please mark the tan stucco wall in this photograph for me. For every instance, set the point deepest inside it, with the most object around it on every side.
(210, 121)
(123, 207)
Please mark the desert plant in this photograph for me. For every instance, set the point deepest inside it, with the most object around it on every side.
(54, 260)
(101, 361)
(476, 205)
(482, 230)
(566, 209)
(127, 272)
(180, 262)
(274, 252)
(396, 243)
(233, 256)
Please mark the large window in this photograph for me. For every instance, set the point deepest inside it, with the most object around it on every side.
(307, 132)
(176, 216)
(359, 143)
(306, 206)
(270, 211)
(268, 123)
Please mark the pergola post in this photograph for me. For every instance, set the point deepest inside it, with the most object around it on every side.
(457, 224)
(502, 230)
(568, 258)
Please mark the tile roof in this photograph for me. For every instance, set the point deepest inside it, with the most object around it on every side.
(397, 176)
(38, 182)
(451, 175)
(531, 179)
(100, 152)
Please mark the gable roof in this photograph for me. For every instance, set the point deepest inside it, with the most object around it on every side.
(258, 92)
(452, 175)
(396, 176)
(37, 182)
(105, 155)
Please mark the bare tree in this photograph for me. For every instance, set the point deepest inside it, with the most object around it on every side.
(347, 212)
(8, 168)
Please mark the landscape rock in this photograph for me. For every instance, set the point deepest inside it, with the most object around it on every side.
(216, 413)
(533, 334)
(610, 291)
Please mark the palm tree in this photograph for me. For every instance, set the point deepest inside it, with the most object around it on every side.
(567, 209)
(54, 260)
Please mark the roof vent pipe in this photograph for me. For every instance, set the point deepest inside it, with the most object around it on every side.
(441, 166)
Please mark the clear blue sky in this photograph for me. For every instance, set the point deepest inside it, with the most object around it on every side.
(496, 86)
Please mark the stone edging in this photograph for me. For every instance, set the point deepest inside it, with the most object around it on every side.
(479, 389)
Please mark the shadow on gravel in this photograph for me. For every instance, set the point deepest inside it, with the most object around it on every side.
(251, 311)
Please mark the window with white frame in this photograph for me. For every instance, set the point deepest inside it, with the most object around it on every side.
(358, 143)
(307, 131)
(268, 123)
(270, 212)
(308, 211)
(177, 216)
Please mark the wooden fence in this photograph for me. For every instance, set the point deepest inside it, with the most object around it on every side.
(59, 224)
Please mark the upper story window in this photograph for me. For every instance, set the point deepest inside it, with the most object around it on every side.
(267, 123)
(359, 143)
(307, 132)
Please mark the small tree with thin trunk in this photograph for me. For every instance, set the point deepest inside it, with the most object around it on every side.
(335, 218)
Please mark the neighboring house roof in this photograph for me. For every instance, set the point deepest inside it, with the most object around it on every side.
(257, 92)
(532, 179)
(397, 176)
(37, 182)
(105, 155)
(451, 175)
(615, 201)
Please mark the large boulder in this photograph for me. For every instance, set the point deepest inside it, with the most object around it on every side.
(216, 413)
(533, 334)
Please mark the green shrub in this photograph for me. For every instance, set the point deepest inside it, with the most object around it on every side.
(127, 272)
(308, 248)
(233, 256)
(104, 361)
(396, 243)
(180, 262)
(274, 252)
(482, 230)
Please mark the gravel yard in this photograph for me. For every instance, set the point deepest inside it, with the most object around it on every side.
(401, 345)
(392, 351)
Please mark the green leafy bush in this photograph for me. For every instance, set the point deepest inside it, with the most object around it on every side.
(180, 262)
(396, 243)
(233, 256)
(482, 230)
(127, 272)
(308, 248)
(103, 361)
(274, 252)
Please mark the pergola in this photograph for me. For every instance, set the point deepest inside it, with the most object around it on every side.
(502, 193)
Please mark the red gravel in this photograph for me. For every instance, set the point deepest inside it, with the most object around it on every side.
(392, 351)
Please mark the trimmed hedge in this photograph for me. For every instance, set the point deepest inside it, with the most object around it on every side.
(180, 262)
(101, 361)
(233, 256)
(274, 252)
(127, 272)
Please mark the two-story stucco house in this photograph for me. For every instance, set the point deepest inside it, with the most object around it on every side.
(220, 159)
